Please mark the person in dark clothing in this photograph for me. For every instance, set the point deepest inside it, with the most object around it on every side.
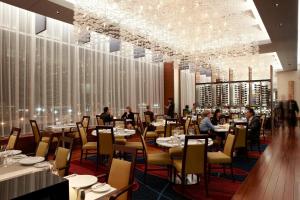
(150, 113)
(217, 117)
(253, 125)
(129, 117)
(170, 108)
(186, 111)
(292, 111)
(106, 116)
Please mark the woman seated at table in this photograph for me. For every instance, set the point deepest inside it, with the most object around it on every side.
(206, 125)
(129, 117)
(216, 120)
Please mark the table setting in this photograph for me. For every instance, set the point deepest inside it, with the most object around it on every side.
(175, 141)
(117, 132)
(87, 187)
(14, 164)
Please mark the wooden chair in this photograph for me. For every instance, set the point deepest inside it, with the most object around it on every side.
(121, 173)
(241, 139)
(160, 159)
(119, 123)
(199, 118)
(38, 135)
(194, 160)
(225, 157)
(100, 121)
(168, 127)
(262, 125)
(13, 138)
(105, 143)
(86, 146)
(137, 145)
(63, 154)
(42, 150)
(85, 122)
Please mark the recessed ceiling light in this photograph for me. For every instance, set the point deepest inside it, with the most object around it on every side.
(57, 12)
(276, 4)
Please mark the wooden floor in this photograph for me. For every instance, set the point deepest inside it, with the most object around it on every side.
(276, 174)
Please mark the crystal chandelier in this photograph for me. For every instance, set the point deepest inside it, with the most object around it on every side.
(197, 30)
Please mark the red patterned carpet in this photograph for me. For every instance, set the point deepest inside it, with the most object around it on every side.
(157, 185)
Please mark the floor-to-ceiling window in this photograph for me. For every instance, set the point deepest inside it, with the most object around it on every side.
(48, 77)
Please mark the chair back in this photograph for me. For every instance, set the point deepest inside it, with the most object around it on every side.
(100, 121)
(63, 155)
(121, 171)
(35, 131)
(13, 138)
(85, 122)
(42, 149)
(82, 133)
(168, 126)
(229, 144)
(144, 144)
(199, 118)
(136, 117)
(187, 124)
(241, 137)
(194, 155)
(197, 129)
(119, 123)
(105, 141)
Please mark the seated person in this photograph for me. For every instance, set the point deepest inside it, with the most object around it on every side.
(216, 120)
(149, 112)
(129, 117)
(106, 116)
(206, 125)
(253, 125)
(186, 110)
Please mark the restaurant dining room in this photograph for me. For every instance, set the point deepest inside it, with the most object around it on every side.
(149, 100)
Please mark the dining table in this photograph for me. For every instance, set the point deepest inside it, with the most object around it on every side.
(89, 185)
(118, 132)
(61, 128)
(12, 166)
(178, 141)
(160, 123)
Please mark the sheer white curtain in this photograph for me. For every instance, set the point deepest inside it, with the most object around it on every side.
(49, 78)
(187, 88)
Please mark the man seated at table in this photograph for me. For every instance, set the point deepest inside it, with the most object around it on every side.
(106, 116)
(206, 125)
(253, 125)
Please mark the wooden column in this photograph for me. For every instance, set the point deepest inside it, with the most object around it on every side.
(291, 89)
(168, 82)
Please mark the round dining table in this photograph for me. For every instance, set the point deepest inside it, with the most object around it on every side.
(178, 141)
(117, 132)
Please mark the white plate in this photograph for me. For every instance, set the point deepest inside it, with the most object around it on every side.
(101, 187)
(31, 160)
(11, 152)
(82, 181)
(19, 156)
(41, 165)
